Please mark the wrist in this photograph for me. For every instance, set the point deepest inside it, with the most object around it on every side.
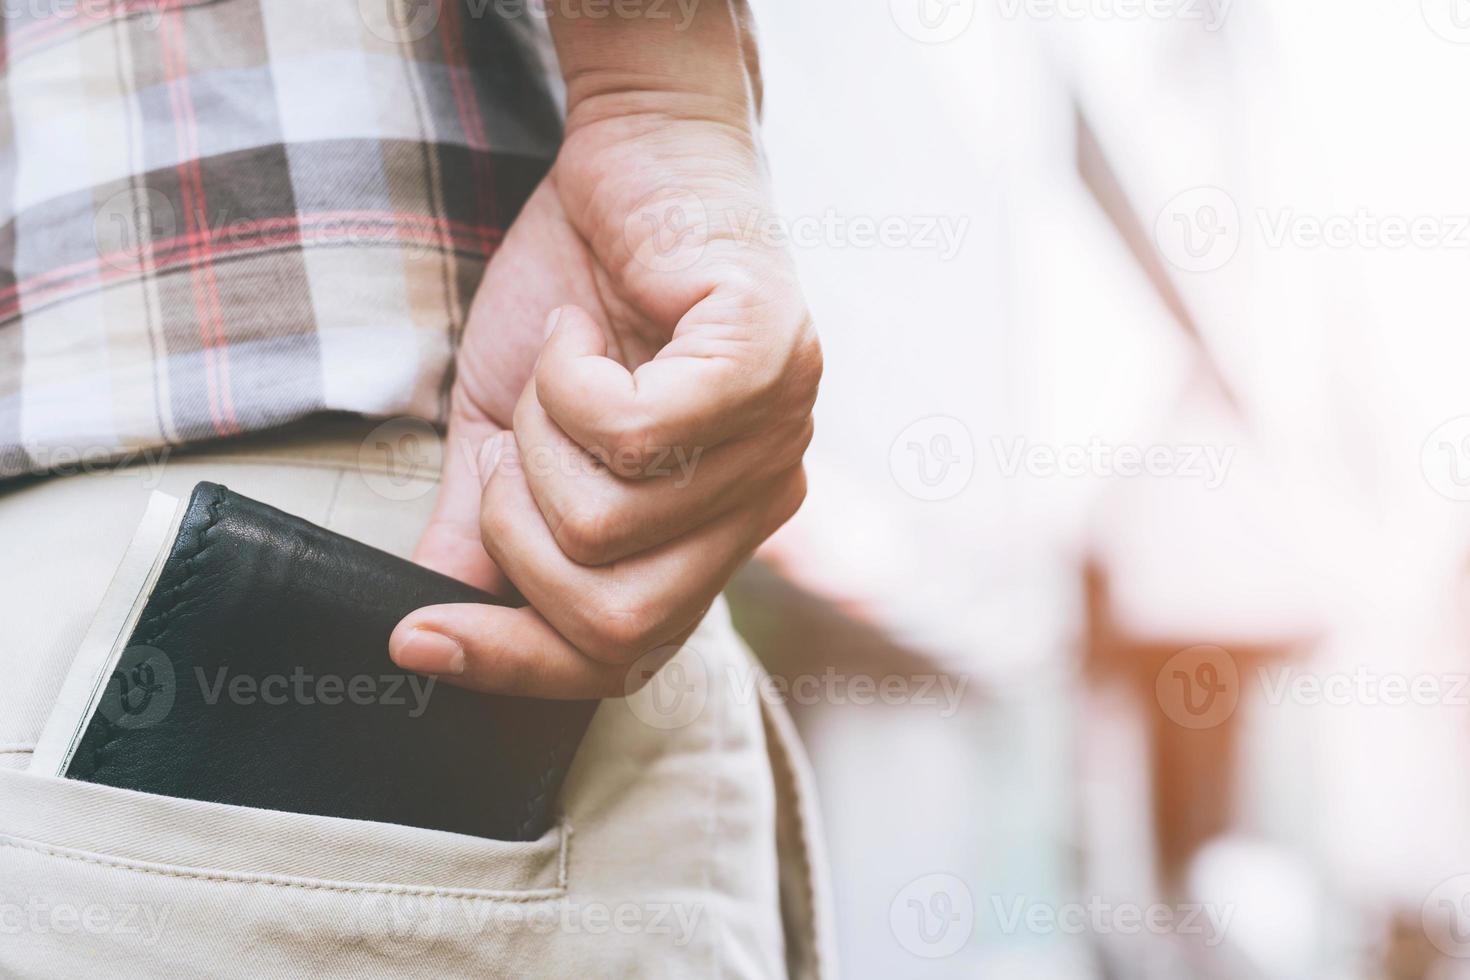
(661, 123)
(699, 65)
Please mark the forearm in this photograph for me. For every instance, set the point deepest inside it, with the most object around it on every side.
(698, 58)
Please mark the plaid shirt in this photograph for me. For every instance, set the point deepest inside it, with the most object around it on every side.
(218, 216)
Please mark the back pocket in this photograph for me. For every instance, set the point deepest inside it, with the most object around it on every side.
(93, 875)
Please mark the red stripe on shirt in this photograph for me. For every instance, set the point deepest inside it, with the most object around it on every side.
(452, 37)
(35, 35)
(165, 254)
(214, 343)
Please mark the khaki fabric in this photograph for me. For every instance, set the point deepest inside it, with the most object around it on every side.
(687, 847)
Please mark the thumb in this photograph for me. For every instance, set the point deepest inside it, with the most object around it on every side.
(451, 541)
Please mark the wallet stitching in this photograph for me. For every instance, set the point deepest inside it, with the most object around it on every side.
(246, 878)
(550, 770)
(158, 624)
(169, 600)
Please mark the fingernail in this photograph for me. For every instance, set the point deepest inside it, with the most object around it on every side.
(551, 322)
(426, 652)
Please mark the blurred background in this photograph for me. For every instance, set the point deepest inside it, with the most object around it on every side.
(1131, 586)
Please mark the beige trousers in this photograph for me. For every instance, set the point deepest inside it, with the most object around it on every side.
(687, 847)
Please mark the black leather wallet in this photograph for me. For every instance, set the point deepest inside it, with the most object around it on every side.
(258, 675)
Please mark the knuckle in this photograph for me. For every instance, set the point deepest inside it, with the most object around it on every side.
(496, 524)
(792, 372)
(620, 633)
(807, 362)
(799, 487)
(628, 442)
(588, 534)
(792, 496)
(804, 437)
(788, 446)
(740, 280)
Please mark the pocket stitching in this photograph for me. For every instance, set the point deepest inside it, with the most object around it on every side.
(247, 878)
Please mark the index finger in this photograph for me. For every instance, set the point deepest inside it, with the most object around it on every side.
(711, 383)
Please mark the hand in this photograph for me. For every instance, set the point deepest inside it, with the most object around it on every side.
(633, 401)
